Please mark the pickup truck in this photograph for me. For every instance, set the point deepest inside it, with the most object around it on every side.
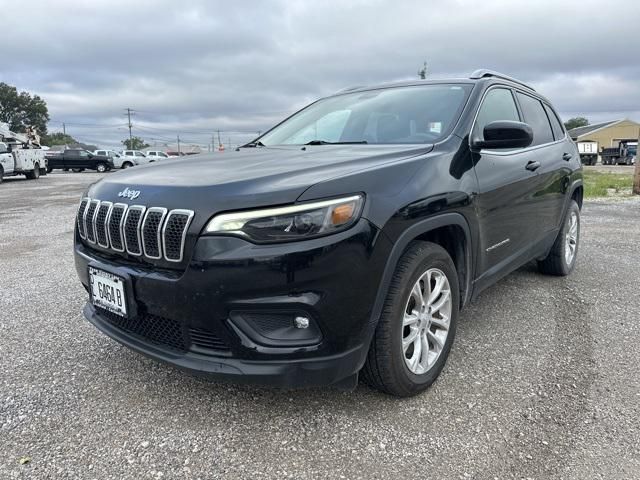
(14, 160)
(119, 161)
(78, 160)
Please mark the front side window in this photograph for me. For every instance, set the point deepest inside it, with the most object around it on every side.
(498, 104)
(536, 117)
(129, 154)
(401, 115)
(83, 153)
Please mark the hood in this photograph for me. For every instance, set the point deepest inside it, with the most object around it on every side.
(246, 178)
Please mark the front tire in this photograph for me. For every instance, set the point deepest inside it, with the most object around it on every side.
(562, 257)
(101, 168)
(418, 323)
(127, 165)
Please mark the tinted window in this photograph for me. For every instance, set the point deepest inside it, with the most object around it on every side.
(415, 114)
(129, 154)
(498, 104)
(101, 152)
(556, 126)
(537, 119)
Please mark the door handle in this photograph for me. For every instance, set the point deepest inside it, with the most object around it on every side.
(532, 165)
(567, 156)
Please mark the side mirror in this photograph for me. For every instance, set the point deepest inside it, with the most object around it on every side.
(505, 134)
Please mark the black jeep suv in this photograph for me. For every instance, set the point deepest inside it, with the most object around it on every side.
(346, 239)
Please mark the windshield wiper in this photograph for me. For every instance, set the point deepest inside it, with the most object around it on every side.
(323, 142)
(253, 144)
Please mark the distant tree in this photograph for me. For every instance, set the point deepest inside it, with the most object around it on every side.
(58, 139)
(20, 110)
(422, 73)
(134, 143)
(576, 122)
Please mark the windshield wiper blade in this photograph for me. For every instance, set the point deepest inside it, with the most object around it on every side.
(324, 142)
(253, 144)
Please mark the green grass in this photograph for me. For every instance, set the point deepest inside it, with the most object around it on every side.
(596, 184)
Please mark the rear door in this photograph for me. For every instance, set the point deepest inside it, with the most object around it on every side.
(72, 159)
(508, 192)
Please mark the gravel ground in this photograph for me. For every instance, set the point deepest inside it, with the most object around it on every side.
(542, 381)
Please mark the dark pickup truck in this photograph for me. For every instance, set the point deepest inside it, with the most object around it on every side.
(79, 160)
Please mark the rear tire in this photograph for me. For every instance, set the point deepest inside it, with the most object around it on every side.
(562, 257)
(408, 327)
(49, 169)
(77, 170)
(35, 173)
(127, 165)
(101, 168)
(1, 173)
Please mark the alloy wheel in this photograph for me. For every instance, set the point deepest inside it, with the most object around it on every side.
(426, 321)
(571, 238)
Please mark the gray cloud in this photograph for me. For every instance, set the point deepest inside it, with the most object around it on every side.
(198, 66)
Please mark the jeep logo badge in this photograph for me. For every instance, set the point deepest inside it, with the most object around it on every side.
(130, 194)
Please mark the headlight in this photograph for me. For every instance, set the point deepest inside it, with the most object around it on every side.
(295, 222)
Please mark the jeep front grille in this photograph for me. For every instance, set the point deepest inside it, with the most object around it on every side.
(155, 232)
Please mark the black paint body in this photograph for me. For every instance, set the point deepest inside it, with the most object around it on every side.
(468, 200)
(73, 158)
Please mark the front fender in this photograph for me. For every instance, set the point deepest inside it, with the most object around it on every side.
(417, 229)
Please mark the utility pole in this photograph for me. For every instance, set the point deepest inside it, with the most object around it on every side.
(219, 141)
(636, 174)
(213, 143)
(178, 144)
(64, 128)
(129, 121)
(422, 73)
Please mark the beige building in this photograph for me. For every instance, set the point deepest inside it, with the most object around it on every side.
(607, 134)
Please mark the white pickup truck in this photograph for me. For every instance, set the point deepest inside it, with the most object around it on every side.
(30, 162)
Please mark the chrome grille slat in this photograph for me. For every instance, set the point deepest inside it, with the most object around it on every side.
(174, 234)
(131, 229)
(80, 217)
(116, 220)
(155, 232)
(101, 216)
(152, 232)
(88, 220)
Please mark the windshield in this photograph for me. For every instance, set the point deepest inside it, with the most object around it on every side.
(416, 114)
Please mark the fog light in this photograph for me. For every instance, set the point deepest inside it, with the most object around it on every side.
(301, 322)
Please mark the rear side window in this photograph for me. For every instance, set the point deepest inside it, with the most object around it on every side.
(536, 117)
(129, 154)
(556, 126)
(498, 104)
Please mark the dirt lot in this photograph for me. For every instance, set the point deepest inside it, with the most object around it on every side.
(542, 382)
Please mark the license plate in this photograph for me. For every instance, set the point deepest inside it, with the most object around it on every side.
(107, 291)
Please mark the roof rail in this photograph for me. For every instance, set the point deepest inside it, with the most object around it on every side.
(483, 73)
(349, 89)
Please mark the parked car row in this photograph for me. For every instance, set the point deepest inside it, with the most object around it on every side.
(77, 159)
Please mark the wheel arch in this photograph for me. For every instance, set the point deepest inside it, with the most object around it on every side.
(445, 230)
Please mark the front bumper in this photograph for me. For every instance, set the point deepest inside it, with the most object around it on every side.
(230, 291)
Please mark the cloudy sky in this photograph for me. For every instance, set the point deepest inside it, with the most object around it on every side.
(193, 67)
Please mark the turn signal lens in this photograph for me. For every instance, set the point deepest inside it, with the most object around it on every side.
(342, 213)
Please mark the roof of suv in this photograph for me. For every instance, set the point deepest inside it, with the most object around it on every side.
(475, 77)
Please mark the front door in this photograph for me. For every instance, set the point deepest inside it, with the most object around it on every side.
(508, 189)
